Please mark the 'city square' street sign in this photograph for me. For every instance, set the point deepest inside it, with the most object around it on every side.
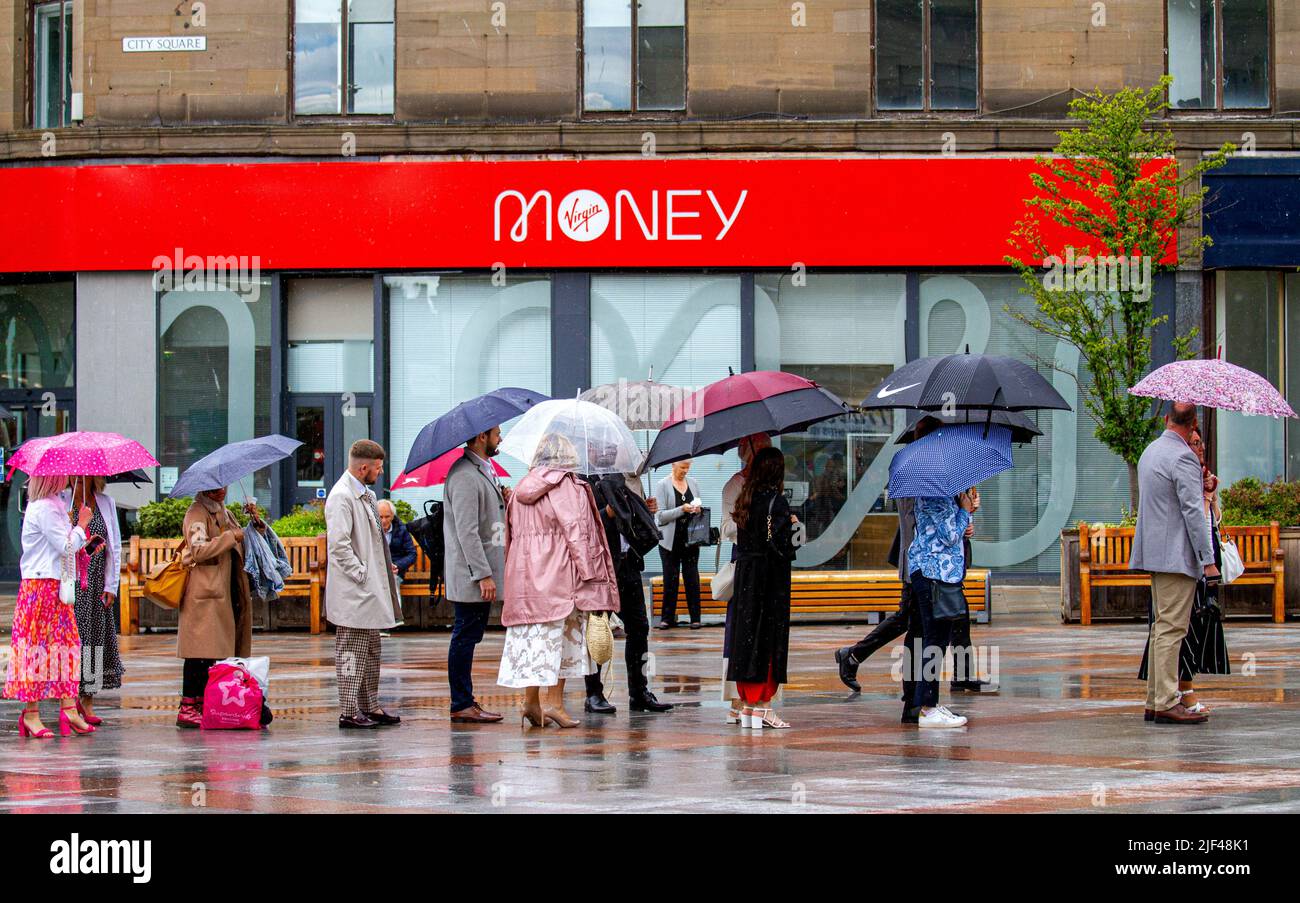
(164, 44)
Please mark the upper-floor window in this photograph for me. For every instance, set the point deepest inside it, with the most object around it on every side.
(1219, 54)
(343, 57)
(926, 54)
(52, 64)
(634, 55)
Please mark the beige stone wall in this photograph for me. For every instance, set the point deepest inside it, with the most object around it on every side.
(1286, 53)
(13, 56)
(1033, 49)
(242, 77)
(748, 56)
(454, 63)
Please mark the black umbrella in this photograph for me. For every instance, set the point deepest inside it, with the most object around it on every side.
(465, 421)
(714, 433)
(957, 381)
(1022, 428)
(130, 476)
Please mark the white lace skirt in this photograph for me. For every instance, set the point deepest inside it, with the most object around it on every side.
(540, 655)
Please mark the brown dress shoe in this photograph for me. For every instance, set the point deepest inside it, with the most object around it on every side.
(493, 715)
(473, 715)
(1178, 714)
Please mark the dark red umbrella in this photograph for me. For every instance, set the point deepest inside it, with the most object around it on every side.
(717, 417)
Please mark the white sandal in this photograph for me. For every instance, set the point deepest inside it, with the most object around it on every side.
(1198, 709)
(767, 718)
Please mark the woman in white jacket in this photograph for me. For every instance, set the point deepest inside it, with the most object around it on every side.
(101, 664)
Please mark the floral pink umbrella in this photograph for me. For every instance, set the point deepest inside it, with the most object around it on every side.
(80, 453)
(1214, 384)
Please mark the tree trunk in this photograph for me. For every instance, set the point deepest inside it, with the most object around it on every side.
(1133, 488)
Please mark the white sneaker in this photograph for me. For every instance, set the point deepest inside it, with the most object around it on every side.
(939, 716)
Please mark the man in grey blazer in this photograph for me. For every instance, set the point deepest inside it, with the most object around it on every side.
(1172, 542)
(474, 537)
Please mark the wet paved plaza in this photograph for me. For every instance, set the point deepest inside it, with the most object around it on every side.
(1065, 734)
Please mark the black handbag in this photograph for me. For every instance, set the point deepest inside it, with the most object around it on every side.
(947, 600)
(427, 532)
(698, 528)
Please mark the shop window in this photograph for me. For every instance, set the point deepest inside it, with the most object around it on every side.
(683, 331)
(1218, 54)
(331, 335)
(1062, 477)
(926, 54)
(214, 376)
(454, 337)
(52, 65)
(846, 332)
(1248, 323)
(634, 55)
(343, 53)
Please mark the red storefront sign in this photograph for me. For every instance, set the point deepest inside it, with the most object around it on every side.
(769, 213)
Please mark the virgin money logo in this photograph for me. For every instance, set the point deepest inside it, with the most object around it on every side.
(583, 215)
(684, 214)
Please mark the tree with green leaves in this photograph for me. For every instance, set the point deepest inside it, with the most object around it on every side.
(1113, 198)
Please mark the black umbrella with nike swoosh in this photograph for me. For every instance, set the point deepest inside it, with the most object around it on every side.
(954, 382)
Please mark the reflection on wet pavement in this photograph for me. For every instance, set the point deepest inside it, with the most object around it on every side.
(1066, 733)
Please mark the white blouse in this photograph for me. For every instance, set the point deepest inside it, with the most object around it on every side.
(107, 510)
(45, 532)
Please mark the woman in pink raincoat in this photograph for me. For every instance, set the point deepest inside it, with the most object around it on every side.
(558, 568)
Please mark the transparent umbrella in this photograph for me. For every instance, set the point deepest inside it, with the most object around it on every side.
(573, 435)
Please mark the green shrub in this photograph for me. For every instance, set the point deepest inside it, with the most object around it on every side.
(405, 513)
(164, 519)
(303, 520)
(1250, 502)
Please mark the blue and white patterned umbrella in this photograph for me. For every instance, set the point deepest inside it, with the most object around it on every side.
(949, 460)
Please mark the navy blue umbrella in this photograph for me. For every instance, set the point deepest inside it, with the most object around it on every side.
(950, 460)
(231, 463)
(465, 421)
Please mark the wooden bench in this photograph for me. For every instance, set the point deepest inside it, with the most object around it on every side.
(1104, 556)
(837, 593)
(306, 555)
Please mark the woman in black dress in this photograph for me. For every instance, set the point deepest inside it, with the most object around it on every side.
(760, 605)
(1204, 650)
(101, 663)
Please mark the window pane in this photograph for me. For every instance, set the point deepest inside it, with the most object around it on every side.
(48, 81)
(1245, 54)
(317, 60)
(1293, 373)
(684, 329)
(846, 332)
(607, 55)
(898, 54)
(1249, 329)
(1191, 54)
(331, 327)
(370, 11)
(370, 52)
(661, 55)
(954, 36)
(454, 337)
(214, 382)
(37, 341)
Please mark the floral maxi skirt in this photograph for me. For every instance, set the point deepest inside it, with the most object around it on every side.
(45, 649)
(540, 655)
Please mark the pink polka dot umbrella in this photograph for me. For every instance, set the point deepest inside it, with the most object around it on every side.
(1214, 384)
(81, 453)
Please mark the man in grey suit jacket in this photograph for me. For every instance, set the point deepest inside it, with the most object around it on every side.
(473, 534)
(1172, 542)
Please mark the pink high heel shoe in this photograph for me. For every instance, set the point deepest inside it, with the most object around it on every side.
(92, 720)
(25, 731)
(67, 727)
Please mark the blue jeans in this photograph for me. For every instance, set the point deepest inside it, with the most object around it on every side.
(471, 621)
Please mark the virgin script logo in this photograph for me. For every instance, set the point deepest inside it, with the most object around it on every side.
(585, 215)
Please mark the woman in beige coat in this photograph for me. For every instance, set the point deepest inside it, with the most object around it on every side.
(216, 616)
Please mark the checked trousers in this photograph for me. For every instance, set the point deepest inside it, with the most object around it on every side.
(356, 665)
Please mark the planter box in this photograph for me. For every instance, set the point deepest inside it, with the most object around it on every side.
(1116, 603)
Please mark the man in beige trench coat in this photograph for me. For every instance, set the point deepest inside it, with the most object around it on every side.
(361, 597)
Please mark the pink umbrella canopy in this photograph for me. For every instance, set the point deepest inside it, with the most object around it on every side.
(1214, 384)
(81, 453)
(435, 472)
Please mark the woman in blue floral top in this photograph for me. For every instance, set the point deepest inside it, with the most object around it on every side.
(936, 554)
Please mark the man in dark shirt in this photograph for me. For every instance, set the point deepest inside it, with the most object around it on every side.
(400, 544)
